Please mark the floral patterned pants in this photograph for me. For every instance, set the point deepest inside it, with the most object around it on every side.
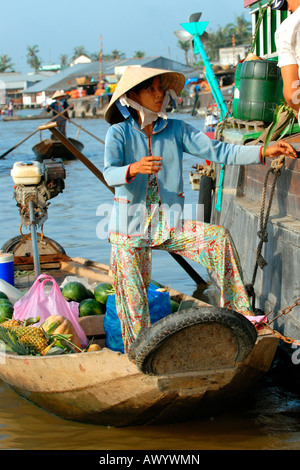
(209, 245)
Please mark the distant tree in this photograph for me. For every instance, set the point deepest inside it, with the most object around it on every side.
(185, 46)
(6, 64)
(222, 37)
(63, 59)
(116, 54)
(242, 29)
(32, 57)
(78, 51)
(95, 56)
(139, 54)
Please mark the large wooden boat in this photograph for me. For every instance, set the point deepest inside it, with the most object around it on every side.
(50, 148)
(190, 364)
(244, 209)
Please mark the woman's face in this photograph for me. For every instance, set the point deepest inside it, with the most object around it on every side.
(151, 97)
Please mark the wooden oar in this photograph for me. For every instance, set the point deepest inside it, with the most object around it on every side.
(30, 135)
(19, 143)
(82, 128)
(53, 128)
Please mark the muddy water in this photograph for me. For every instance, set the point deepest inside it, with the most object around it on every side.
(268, 418)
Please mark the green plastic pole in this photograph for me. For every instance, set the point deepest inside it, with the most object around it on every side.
(197, 29)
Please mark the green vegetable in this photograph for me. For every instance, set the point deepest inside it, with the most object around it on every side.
(174, 306)
(6, 311)
(3, 295)
(91, 307)
(75, 291)
(102, 291)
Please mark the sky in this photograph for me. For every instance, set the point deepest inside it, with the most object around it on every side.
(57, 27)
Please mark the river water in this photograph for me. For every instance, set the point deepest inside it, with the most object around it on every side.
(269, 416)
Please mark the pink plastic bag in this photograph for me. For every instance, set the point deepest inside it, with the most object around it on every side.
(39, 303)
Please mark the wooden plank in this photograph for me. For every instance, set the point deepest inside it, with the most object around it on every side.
(92, 325)
(51, 258)
(91, 273)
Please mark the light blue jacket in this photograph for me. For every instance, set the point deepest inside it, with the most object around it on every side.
(127, 143)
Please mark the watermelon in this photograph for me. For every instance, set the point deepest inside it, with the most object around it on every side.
(3, 295)
(5, 301)
(91, 307)
(102, 291)
(90, 294)
(155, 283)
(74, 290)
(174, 306)
(6, 311)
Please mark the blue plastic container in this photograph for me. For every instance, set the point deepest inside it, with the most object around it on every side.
(7, 267)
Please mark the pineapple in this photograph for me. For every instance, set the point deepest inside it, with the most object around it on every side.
(33, 337)
(9, 324)
(23, 339)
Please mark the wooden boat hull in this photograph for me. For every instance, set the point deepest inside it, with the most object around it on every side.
(49, 148)
(105, 387)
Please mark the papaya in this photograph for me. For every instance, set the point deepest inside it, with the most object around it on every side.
(93, 347)
(60, 325)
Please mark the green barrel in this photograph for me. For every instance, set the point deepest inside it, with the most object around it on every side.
(260, 90)
(236, 93)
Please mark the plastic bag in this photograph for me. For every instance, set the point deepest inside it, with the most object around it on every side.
(159, 307)
(43, 301)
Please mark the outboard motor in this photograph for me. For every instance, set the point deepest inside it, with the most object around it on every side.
(35, 184)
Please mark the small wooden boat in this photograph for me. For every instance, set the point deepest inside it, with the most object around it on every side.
(26, 117)
(187, 365)
(50, 148)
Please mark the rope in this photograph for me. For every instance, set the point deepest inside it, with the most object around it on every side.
(275, 170)
(278, 335)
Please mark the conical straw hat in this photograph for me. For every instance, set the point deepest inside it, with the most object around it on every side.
(131, 77)
(58, 94)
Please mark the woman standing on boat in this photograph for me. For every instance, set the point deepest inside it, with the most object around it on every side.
(288, 47)
(57, 107)
(143, 162)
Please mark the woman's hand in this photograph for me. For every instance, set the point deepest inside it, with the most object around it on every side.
(146, 166)
(280, 148)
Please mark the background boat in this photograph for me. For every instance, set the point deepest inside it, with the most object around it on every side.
(50, 148)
